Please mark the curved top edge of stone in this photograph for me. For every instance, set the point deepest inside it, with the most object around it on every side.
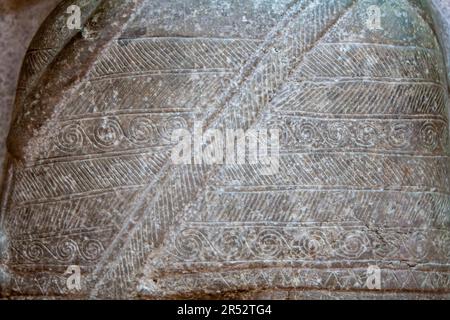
(44, 41)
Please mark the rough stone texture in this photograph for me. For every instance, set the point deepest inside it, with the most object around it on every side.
(19, 21)
(364, 176)
(442, 14)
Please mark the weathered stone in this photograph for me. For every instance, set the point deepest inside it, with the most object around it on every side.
(18, 22)
(358, 90)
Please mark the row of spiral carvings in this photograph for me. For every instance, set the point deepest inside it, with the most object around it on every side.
(105, 134)
(277, 244)
(426, 135)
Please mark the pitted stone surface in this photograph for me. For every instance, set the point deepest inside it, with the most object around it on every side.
(364, 175)
(19, 21)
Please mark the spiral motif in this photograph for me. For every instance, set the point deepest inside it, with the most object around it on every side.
(231, 245)
(366, 135)
(142, 130)
(108, 133)
(352, 244)
(269, 244)
(35, 251)
(337, 135)
(189, 245)
(171, 125)
(306, 133)
(311, 245)
(399, 135)
(442, 245)
(91, 249)
(70, 139)
(66, 250)
(429, 136)
(418, 245)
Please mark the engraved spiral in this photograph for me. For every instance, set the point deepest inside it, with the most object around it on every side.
(366, 135)
(418, 245)
(429, 136)
(142, 130)
(230, 244)
(399, 135)
(35, 251)
(311, 245)
(442, 245)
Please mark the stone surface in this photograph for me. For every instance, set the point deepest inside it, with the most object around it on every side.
(364, 176)
(442, 14)
(19, 21)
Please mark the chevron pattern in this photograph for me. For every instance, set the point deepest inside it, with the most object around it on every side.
(346, 169)
(164, 54)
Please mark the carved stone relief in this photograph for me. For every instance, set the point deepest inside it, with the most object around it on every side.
(360, 103)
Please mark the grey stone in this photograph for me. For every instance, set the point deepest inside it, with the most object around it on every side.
(441, 9)
(19, 21)
(360, 205)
